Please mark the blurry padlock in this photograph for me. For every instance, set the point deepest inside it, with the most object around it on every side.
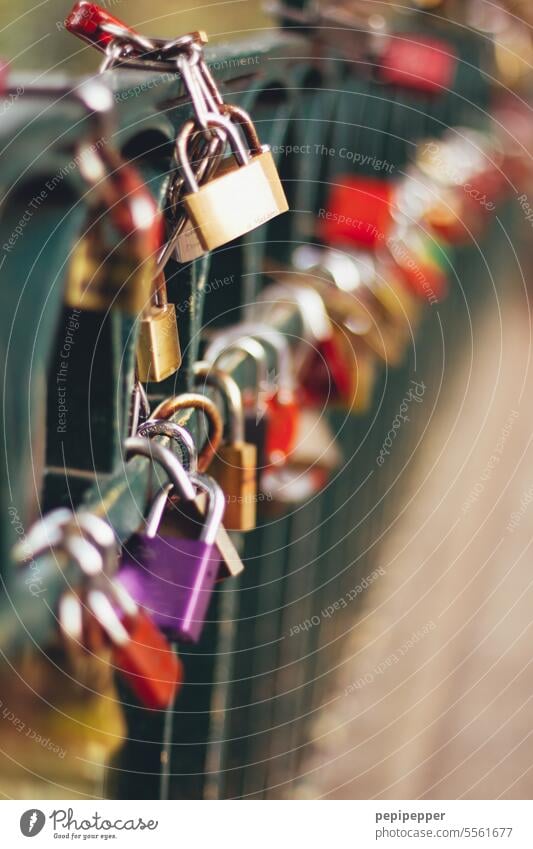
(103, 274)
(315, 457)
(417, 61)
(140, 653)
(243, 195)
(279, 398)
(379, 300)
(319, 349)
(185, 242)
(235, 463)
(142, 656)
(174, 578)
(359, 211)
(420, 261)
(158, 347)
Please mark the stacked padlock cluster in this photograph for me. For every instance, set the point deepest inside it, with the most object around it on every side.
(249, 436)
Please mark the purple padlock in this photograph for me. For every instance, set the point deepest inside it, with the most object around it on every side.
(173, 579)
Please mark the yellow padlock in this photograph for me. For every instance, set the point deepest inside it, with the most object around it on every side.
(158, 347)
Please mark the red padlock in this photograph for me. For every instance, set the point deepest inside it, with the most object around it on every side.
(96, 26)
(142, 655)
(418, 62)
(358, 212)
(414, 256)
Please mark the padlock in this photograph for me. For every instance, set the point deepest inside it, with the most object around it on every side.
(174, 579)
(172, 521)
(420, 261)
(279, 399)
(359, 211)
(158, 347)
(246, 192)
(234, 466)
(368, 297)
(185, 242)
(255, 421)
(123, 45)
(195, 401)
(104, 274)
(319, 347)
(419, 62)
(315, 457)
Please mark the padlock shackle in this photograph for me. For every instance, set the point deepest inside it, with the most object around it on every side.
(194, 401)
(140, 404)
(216, 504)
(241, 117)
(164, 427)
(155, 515)
(223, 346)
(316, 323)
(263, 333)
(139, 445)
(159, 291)
(229, 389)
(211, 121)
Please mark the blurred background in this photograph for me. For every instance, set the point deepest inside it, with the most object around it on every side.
(34, 37)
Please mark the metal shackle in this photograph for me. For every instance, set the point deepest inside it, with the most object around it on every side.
(216, 504)
(236, 144)
(241, 117)
(195, 401)
(269, 335)
(164, 427)
(230, 391)
(316, 323)
(155, 514)
(222, 346)
(101, 535)
(141, 446)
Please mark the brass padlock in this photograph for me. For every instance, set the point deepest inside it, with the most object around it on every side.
(105, 273)
(158, 346)
(235, 465)
(246, 192)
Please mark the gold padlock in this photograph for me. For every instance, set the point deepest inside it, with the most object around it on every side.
(246, 192)
(158, 346)
(235, 463)
(98, 280)
(104, 273)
